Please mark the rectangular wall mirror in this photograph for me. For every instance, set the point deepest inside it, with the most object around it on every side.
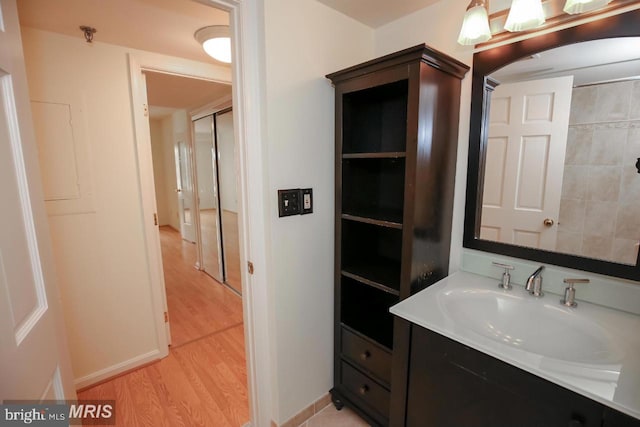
(554, 153)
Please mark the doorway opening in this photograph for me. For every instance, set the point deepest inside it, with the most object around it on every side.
(192, 183)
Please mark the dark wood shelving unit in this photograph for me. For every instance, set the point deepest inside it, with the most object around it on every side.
(389, 155)
(369, 220)
(395, 170)
(381, 279)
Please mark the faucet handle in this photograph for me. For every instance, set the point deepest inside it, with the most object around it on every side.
(506, 277)
(570, 292)
(572, 282)
(505, 266)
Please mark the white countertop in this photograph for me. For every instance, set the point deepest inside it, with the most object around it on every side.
(591, 350)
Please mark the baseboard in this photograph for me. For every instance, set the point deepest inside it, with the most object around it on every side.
(308, 412)
(117, 369)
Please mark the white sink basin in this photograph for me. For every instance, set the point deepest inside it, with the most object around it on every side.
(592, 350)
(532, 325)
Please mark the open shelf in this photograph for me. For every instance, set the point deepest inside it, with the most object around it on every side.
(375, 119)
(368, 220)
(385, 155)
(373, 188)
(366, 310)
(362, 279)
(372, 252)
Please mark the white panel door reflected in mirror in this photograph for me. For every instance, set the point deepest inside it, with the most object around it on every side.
(564, 137)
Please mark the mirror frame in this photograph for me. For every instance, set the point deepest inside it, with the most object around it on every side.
(486, 62)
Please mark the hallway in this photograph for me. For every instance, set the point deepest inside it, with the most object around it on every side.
(198, 305)
(203, 381)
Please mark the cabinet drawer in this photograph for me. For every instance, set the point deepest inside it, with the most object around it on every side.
(372, 393)
(369, 356)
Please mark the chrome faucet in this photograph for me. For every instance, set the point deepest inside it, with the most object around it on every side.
(534, 283)
(570, 293)
(505, 283)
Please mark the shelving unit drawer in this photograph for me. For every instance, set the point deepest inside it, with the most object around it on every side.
(372, 393)
(371, 357)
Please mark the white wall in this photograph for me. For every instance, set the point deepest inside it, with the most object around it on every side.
(159, 174)
(304, 40)
(100, 256)
(438, 26)
(168, 138)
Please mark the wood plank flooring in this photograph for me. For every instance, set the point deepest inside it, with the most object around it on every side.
(203, 381)
(198, 305)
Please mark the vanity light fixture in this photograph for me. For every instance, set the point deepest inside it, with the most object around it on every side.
(475, 27)
(525, 15)
(573, 7)
(216, 42)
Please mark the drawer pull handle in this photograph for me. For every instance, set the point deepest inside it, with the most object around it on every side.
(365, 355)
(364, 389)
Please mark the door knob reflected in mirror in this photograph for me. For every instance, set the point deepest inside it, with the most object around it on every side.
(548, 222)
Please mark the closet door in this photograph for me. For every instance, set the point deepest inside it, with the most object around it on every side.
(227, 179)
(207, 200)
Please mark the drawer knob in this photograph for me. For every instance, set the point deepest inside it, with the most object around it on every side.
(364, 389)
(575, 423)
(365, 355)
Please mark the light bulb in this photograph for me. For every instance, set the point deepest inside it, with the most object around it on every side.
(524, 15)
(573, 7)
(215, 41)
(218, 48)
(475, 27)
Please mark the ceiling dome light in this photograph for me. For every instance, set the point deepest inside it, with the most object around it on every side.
(475, 27)
(573, 7)
(524, 15)
(216, 42)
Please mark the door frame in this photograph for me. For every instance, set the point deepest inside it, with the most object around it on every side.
(247, 73)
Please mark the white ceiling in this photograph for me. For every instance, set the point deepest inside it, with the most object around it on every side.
(167, 90)
(162, 26)
(589, 62)
(376, 13)
(167, 26)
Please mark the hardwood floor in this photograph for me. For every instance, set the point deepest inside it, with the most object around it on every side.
(203, 381)
(198, 305)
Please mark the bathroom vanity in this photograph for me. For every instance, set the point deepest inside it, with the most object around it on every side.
(484, 356)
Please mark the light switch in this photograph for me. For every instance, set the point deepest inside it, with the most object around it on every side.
(289, 202)
(295, 202)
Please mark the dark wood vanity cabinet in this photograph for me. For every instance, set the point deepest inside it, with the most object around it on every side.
(452, 385)
(396, 144)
